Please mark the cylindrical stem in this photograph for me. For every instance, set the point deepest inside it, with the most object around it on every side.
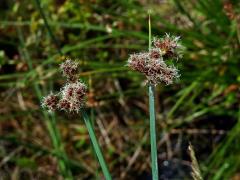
(154, 158)
(153, 139)
(96, 146)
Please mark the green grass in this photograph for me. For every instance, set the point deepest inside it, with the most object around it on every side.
(210, 71)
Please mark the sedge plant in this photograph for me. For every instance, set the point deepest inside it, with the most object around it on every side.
(71, 99)
(154, 65)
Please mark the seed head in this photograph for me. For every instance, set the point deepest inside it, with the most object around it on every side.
(159, 72)
(50, 102)
(138, 62)
(169, 46)
(64, 104)
(152, 64)
(69, 69)
(155, 53)
(72, 96)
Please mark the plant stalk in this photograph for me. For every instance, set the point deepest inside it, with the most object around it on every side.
(96, 146)
(153, 138)
(151, 94)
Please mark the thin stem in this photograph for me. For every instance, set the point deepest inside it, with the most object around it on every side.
(149, 32)
(56, 42)
(153, 133)
(151, 89)
(96, 146)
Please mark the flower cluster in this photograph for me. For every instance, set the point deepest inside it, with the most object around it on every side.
(69, 69)
(152, 64)
(50, 101)
(71, 96)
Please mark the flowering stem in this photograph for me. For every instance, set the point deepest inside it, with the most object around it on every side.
(96, 146)
(153, 140)
(153, 133)
(38, 4)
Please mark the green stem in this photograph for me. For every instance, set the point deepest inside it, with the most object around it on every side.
(149, 32)
(38, 3)
(153, 133)
(96, 146)
(153, 138)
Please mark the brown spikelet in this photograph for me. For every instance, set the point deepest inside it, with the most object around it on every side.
(71, 96)
(155, 53)
(138, 62)
(152, 64)
(50, 102)
(64, 104)
(169, 46)
(69, 69)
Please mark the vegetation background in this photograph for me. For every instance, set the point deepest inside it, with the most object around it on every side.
(201, 108)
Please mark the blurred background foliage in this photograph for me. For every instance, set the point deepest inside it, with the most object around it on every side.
(201, 108)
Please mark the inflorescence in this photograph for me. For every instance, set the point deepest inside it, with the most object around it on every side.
(152, 63)
(71, 96)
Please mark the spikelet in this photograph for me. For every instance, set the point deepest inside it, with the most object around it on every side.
(69, 69)
(71, 96)
(50, 102)
(152, 64)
